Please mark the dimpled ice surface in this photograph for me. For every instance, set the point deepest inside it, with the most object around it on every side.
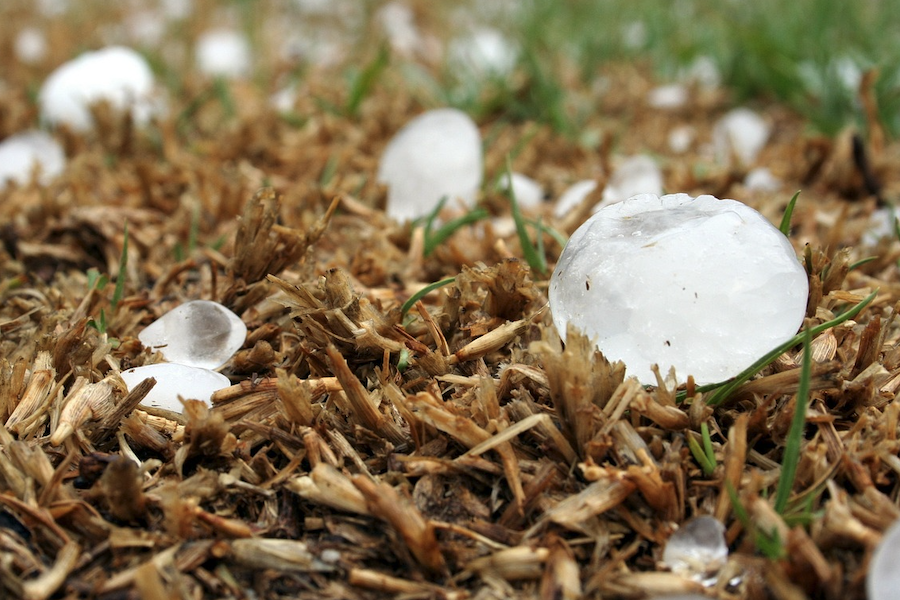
(174, 380)
(705, 285)
(197, 334)
(697, 549)
(437, 154)
(883, 580)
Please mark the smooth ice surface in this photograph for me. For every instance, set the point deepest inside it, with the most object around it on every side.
(705, 285)
(436, 154)
(223, 52)
(883, 579)
(635, 175)
(742, 133)
(117, 75)
(22, 152)
(697, 549)
(199, 333)
(529, 192)
(173, 380)
(573, 195)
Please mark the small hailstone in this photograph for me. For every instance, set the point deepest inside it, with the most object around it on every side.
(703, 71)
(529, 192)
(117, 75)
(572, 196)
(199, 333)
(883, 579)
(177, 10)
(436, 154)
(705, 285)
(741, 132)
(484, 53)
(761, 179)
(881, 225)
(223, 52)
(681, 138)
(671, 96)
(31, 45)
(399, 24)
(634, 35)
(635, 175)
(22, 152)
(174, 380)
(697, 549)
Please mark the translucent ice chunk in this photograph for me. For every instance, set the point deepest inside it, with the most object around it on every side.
(742, 133)
(22, 152)
(117, 75)
(198, 334)
(572, 196)
(635, 175)
(705, 285)
(437, 154)
(697, 549)
(174, 380)
(883, 580)
(529, 192)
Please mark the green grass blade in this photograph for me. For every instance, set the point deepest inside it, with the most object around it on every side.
(726, 388)
(785, 226)
(433, 240)
(557, 235)
(536, 259)
(862, 261)
(362, 83)
(223, 95)
(424, 292)
(708, 466)
(791, 458)
(120, 279)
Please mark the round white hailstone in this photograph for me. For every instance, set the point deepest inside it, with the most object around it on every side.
(22, 152)
(223, 53)
(761, 179)
(485, 52)
(528, 192)
(199, 333)
(399, 24)
(117, 75)
(740, 132)
(284, 99)
(697, 549)
(883, 579)
(31, 45)
(668, 97)
(681, 138)
(174, 380)
(705, 285)
(435, 155)
(635, 175)
(573, 196)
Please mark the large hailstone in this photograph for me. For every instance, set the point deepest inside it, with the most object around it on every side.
(199, 333)
(174, 380)
(435, 155)
(117, 75)
(22, 152)
(705, 285)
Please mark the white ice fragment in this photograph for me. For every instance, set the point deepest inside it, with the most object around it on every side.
(116, 74)
(399, 24)
(21, 153)
(635, 175)
(705, 285)
(883, 579)
(436, 154)
(668, 97)
(681, 138)
(697, 549)
(572, 196)
(881, 225)
(174, 380)
(223, 52)
(742, 133)
(199, 333)
(485, 52)
(761, 179)
(704, 72)
(529, 192)
(31, 45)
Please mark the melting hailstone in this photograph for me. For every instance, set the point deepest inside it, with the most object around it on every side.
(223, 52)
(198, 334)
(573, 196)
(174, 380)
(883, 579)
(635, 175)
(705, 285)
(698, 549)
(740, 133)
(21, 153)
(436, 154)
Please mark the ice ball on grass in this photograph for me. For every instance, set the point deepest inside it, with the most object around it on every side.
(174, 380)
(435, 155)
(528, 192)
(573, 196)
(199, 333)
(637, 174)
(117, 75)
(705, 285)
(223, 53)
(21, 153)
(484, 53)
(698, 549)
(740, 133)
(883, 579)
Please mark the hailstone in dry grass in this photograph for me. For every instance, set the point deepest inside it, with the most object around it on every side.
(173, 381)
(22, 153)
(883, 580)
(705, 285)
